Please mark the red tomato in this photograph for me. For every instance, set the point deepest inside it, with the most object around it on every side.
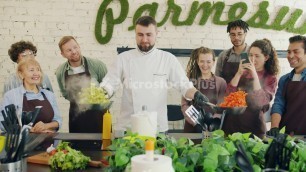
(163, 151)
(104, 162)
(52, 152)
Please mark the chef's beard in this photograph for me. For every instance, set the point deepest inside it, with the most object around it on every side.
(145, 48)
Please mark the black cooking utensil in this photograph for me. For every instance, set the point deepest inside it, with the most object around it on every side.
(242, 159)
(5, 126)
(283, 152)
(24, 136)
(7, 121)
(35, 114)
(215, 124)
(11, 113)
(14, 144)
(11, 144)
(27, 117)
(229, 110)
(208, 117)
(278, 153)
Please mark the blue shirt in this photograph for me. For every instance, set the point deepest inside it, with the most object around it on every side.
(15, 96)
(279, 101)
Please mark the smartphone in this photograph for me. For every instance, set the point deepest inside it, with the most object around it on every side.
(245, 57)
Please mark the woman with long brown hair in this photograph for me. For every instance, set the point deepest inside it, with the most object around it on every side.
(258, 78)
(199, 71)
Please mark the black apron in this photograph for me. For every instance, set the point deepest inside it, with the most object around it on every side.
(229, 69)
(209, 89)
(252, 120)
(46, 113)
(82, 120)
(294, 117)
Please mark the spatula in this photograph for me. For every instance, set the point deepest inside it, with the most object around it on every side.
(196, 117)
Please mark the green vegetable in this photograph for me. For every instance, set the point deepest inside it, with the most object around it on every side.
(213, 154)
(93, 95)
(67, 158)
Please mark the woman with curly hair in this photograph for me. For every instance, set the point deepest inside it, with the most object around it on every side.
(258, 78)
(199, 71)
(17, 52)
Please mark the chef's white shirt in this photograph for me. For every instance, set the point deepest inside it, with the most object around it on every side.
(145, 78)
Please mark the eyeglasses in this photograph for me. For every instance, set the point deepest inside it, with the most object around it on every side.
(28, 53)
(239, 35)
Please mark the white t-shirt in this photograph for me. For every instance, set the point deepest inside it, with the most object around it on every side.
(297, 77)
(78, 69)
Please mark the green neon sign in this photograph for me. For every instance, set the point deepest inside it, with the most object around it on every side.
(205, 9)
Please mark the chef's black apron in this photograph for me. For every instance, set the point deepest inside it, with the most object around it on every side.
(209, 89)
(82, 120)
(252, 120)
(294, 117)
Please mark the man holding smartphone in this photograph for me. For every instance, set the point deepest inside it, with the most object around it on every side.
(228, 61)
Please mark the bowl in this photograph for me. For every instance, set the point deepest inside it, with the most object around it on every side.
(230, 110)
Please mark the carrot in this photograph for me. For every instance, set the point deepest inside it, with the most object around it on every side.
(235, 99)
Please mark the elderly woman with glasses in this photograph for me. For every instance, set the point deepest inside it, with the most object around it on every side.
(18, 51)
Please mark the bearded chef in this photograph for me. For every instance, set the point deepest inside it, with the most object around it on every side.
(146, 72)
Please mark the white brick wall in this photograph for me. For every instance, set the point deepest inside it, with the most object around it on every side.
(45, 22)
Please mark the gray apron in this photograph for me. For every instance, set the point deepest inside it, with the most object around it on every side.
(229, 69)
(82, 120)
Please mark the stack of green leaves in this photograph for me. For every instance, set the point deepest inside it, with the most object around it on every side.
(67, 158)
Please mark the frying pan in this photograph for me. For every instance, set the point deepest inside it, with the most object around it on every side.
(229, 110)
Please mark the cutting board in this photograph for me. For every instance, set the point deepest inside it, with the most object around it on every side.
(43, 158)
